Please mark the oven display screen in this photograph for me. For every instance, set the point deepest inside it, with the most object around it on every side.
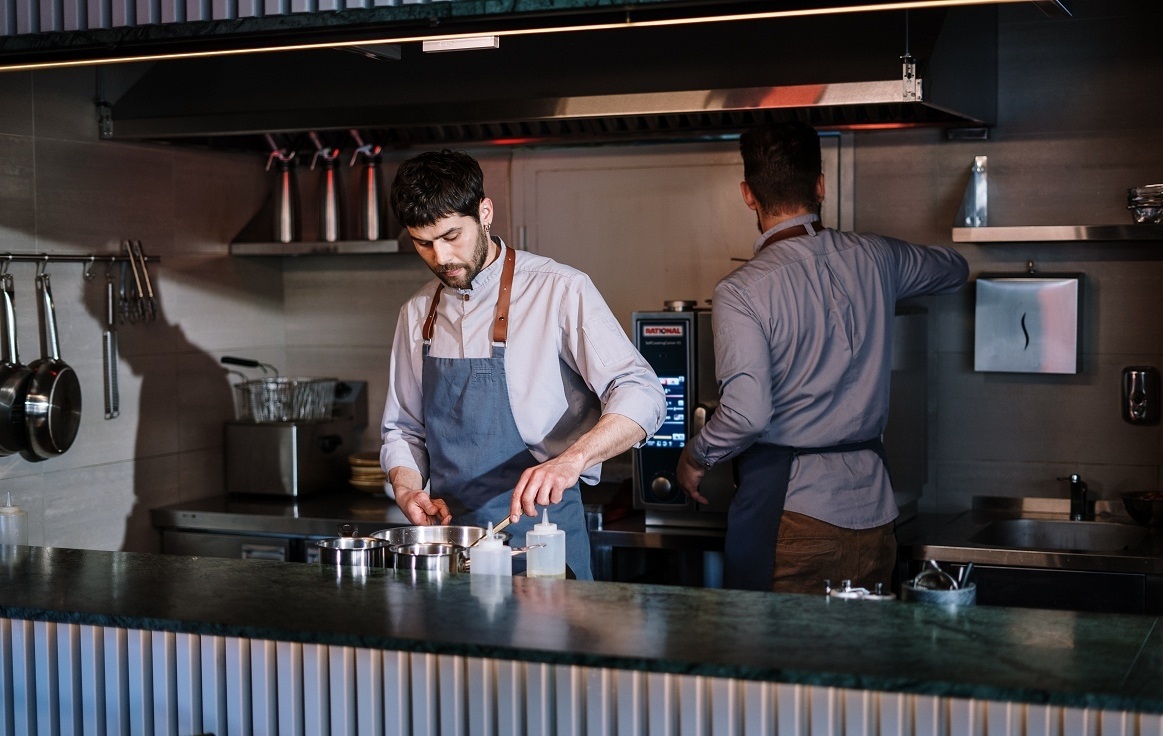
(672, 433)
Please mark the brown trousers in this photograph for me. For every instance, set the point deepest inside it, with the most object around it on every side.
(810, 551)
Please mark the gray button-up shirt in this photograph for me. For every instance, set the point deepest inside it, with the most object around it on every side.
(803, 342)
(567, 359)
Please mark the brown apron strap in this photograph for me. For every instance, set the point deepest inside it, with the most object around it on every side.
(501, 321)
(430, 320)
(792, 232)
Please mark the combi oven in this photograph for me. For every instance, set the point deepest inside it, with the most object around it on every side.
(679, 344)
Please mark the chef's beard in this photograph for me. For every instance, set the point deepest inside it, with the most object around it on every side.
(479, 255)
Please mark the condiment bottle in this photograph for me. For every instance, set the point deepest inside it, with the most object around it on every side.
(548, 559)
(490, 556)
(13, 523)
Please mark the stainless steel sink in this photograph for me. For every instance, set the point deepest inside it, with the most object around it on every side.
(1047, 534)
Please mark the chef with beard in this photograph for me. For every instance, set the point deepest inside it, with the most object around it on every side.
(510, 380)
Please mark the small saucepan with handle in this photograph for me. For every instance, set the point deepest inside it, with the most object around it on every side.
(14, 376)
(52, 406)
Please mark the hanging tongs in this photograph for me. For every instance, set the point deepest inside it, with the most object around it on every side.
(150, 306)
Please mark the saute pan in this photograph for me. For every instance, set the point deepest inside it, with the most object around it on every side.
(52, 409)
(14, 377)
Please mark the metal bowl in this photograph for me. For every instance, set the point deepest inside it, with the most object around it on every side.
(1145, 507)
(461, 536)
(431, 557)
(363, 552)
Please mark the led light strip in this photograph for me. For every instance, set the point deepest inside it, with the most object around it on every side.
(453, 39)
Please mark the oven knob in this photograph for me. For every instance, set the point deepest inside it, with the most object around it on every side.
(664, 489)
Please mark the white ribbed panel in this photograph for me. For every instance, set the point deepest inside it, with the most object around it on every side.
(92, 652)
(212, 650)
(188, 683)
(264, 694)
(72, 679)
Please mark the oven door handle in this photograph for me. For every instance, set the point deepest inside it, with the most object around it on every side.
(702, 413)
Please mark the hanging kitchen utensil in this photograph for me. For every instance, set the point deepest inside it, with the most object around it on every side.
(14, 377)
(330, 205)
(137, 298)
(52, 407)
(109, 349)
(371, 203)
(150, 303)
(285, 224)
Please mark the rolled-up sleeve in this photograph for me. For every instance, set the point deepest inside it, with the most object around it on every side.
(402, 428)
(608, 361)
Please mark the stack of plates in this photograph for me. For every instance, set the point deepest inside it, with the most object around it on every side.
(1146, 203)
(366, 473)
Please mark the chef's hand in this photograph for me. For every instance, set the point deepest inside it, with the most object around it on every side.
(544, 484)
(418, 507)
(421, 509)
(689, 474)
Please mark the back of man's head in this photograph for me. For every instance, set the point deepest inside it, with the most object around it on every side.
(781, 165)
(435, 185)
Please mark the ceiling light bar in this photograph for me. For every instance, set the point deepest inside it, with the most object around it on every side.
(467, 43)
(768, 15)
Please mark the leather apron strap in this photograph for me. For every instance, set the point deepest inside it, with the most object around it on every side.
(754, 516)
(792, 232)
(501, 315)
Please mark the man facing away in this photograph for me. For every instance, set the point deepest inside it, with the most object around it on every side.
(510, 378)
(803, 356)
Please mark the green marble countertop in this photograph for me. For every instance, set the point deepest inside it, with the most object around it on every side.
(1062, 658)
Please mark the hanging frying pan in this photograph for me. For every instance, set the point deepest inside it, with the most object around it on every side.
(52, 409)
(14, 377)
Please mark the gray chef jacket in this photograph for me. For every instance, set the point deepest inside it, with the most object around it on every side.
(803, 340)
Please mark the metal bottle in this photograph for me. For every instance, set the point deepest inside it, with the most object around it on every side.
(371, 208)
(330, 206)
(285, 224)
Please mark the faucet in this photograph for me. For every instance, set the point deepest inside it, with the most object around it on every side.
(1079, 508)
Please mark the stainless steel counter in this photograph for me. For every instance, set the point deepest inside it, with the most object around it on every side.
(1027, 552)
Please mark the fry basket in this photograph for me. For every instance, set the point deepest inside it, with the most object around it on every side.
(284, 399)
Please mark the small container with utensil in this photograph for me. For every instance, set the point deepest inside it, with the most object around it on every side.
(934, 585)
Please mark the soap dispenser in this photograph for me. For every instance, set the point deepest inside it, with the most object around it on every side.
(490, 556)
(546, 550)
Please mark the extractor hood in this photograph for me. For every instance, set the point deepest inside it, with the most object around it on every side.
(660, 83)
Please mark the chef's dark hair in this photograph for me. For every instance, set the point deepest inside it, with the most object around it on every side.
(781, 164)
(435, 185)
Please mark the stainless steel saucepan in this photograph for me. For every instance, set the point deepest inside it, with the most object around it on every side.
(14, 377)
(52, 407)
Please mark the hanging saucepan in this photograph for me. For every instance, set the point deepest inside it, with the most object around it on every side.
(52, 408)
(14, 377)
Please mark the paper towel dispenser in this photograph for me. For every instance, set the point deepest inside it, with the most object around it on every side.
(1026, 323)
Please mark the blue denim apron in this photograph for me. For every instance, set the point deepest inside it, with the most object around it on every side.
(476, 454)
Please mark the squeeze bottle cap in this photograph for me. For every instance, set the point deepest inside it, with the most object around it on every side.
(8, 508)
(544, 525)
(490, 540)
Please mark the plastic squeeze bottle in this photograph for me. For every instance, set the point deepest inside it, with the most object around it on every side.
(547, 561)
(490, 556)
(13, 523)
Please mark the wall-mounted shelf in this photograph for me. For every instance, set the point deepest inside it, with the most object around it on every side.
(320, 248)
(1056, 233)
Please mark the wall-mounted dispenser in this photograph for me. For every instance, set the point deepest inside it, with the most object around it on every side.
(1140, 400)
